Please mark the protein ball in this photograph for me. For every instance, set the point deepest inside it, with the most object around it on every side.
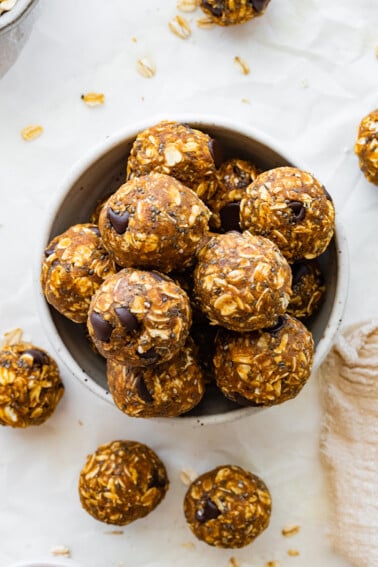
(366, 147)
(231, 12)
(154, 221)
(30, 385)
(265, 367)
(139, 318)
(122, 482)
(165, 390)
(177, 150)
(242, 281)
(227, 507)
(234, 176)
(74, 266)
(308, 289)
(291, 208)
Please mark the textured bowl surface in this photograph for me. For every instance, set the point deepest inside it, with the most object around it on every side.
(102, 171)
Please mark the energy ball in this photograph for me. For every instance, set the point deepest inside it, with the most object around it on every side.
(178, 150)
(234, 176)
(227, 507)
(308, 289)
(166, 390)
(366, 147)
(74, 266)
(231, 12)
(122, 482)
(153, 221)
(30, 385)
(291, 208)
(265, 367)
(242, 281)
(139, 318)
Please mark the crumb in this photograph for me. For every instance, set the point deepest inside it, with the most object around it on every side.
(60, 551)
(30, 133)
(246, 101)
(293, 552)
(93, 99)
(188, 545)
(243, 66)
(232, 562)
(289, 531)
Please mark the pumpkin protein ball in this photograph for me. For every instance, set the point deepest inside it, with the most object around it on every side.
(30, 385)
(139, 318)
(231, 12)
(153, 221)
(242, 281)
(291, 208)
(234, 176)
(175, 149)
(265, 367)
(121, 482)
(308, 289)
(227, 507)
(366, 146)
(165, 390)
(74, 266)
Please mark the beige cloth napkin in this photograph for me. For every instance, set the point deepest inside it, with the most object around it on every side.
(349, 442)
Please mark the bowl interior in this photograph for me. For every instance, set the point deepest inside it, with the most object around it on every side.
(104, 175)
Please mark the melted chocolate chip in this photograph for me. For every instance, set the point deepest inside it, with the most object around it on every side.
(298, 210)
(142, 390)
(50, 250)
(150, 356)
(208, 511)
(216, 152)
(102, 328)
(156, 481)
(216, 9)
(299, 270)
(127, 319)
(259, 5)
(275, 328)
(118, 221)
(230, 217)
(328, 196)
(39, 357)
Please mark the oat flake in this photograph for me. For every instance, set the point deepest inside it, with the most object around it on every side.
(93, 99)
(243, 66)
(205, 23)
(290, 531)
(60, 551)
(187, 5)
(180, 27)
(146, 68)
(293, 552)
(12, 337)
(31, 133)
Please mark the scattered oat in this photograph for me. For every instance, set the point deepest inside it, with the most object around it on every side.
(187, 5)
(243, 66)
(205, 23)
(246, 100)
(188, 475)
(272, 564)
(293, 552)
(289, 531)
(134, 39)
(233, 562)
(60, 551)
(146, 68)
(180, 27)
(188, 545)
(12, 337)
(93, 99)
(115, 532)
(31, 133)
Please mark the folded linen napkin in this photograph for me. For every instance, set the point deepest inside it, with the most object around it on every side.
(349, 442)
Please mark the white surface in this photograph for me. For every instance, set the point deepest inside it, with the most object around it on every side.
(314, 74)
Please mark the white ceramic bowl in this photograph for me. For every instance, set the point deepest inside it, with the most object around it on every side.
(103, 170)
(15, 28)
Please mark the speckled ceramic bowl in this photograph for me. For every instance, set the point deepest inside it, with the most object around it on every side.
(103, 169)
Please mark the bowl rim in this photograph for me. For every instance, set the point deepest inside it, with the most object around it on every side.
(93, 155)
(13, 16)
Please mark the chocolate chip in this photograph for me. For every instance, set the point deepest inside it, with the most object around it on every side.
(118, 221)
(328, 196)
(128, 319)
(150, 356)
(102, 328)
(216, 152)
(298, 210)
(299, 270)
(142, 390)
(96, 230)
(39, 357)
(230, 217)
(156, 481)
(160, 277)
(50, 250)
(216, 9)
(208, 511)
(275, 328)
(259, 5)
